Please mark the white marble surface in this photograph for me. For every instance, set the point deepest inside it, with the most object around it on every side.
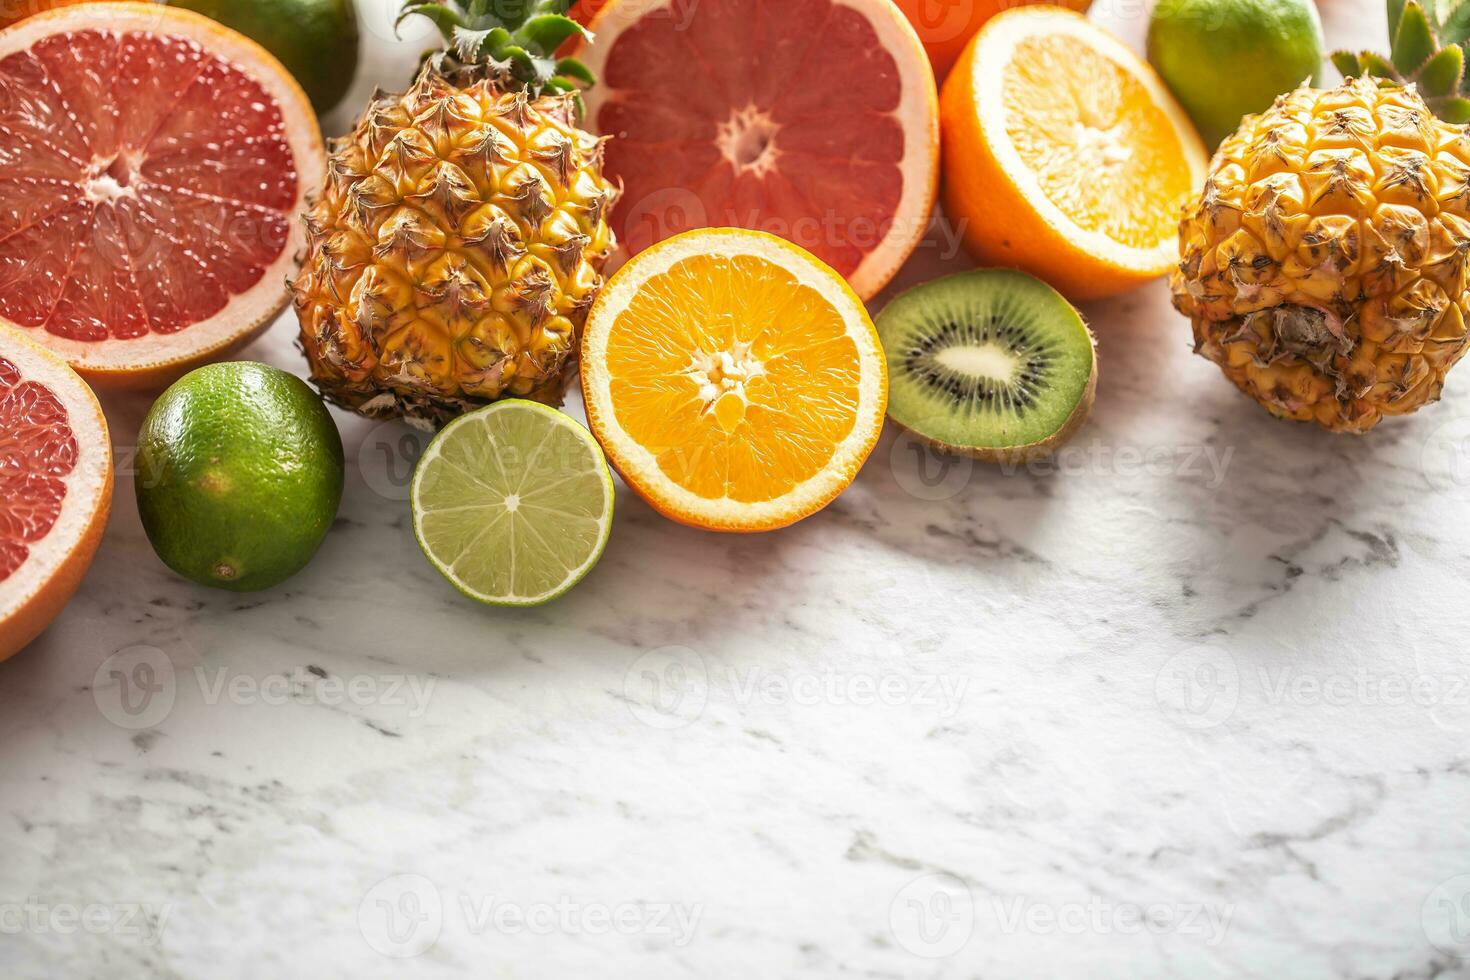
(1197, 705)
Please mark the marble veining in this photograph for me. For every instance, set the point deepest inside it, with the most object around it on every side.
(1193, 702)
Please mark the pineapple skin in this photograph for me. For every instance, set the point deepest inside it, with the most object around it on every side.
(1324, 263)
(454, 251)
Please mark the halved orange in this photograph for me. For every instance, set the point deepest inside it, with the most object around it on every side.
(1064, 154)
(734, 379)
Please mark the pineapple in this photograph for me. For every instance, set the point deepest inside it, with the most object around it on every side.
(1324, 264)
(460, 234)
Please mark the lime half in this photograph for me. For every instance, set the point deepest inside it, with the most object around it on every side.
(513, 503)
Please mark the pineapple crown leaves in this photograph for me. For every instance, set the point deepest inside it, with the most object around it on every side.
(515, 39)
(1427, 50)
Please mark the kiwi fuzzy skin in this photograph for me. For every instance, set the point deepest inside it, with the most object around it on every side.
(1021, 455)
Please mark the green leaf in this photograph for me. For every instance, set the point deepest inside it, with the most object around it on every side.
(1413, 43)
(1453, 109)
(1347, 64)
(444, 18)
(1395, 11)
(1377, 66)
(520, 60)
(1442, 74)
(573, 68)
(548, 31)
(1455, 28)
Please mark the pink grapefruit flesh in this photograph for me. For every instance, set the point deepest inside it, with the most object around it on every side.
(38, 451)
(55, 486)
(814, 120)
(151, 167)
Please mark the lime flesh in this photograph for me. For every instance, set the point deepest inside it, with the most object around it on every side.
(513, 503)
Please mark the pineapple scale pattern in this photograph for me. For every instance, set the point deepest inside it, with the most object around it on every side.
(453, 252)
(1324, 264)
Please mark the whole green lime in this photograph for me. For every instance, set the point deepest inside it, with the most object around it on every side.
(1225, 59)
(239, 473)
(315, 39)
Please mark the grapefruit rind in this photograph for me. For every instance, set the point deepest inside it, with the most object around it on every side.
(917, 112)
(640, 468)
(154, 359)
(35, 592)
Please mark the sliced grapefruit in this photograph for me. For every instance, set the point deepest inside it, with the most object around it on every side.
(152, 163)
(733, 379)
(55, 486)
(814, 120)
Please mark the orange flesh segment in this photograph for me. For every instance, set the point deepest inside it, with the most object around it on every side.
(738, 378)
(1100, 148)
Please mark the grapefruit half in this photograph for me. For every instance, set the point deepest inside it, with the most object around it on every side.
(55, 486)
(814, 120)
(152, 164)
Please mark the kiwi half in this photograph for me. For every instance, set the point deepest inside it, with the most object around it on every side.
(992, 363)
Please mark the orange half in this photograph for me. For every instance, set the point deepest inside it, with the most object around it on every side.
(1064, 154)
(734, 380)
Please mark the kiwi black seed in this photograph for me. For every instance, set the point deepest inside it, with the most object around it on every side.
(992, 362)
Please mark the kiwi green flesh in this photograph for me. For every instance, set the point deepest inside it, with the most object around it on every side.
(990, 359)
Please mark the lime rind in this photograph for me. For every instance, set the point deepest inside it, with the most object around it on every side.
(458, 457)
